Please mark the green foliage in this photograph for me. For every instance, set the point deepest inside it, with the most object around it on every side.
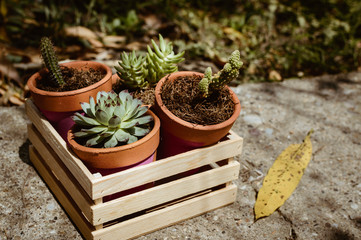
(115, 119)
(291, 37)
(162, 61)
(131, 71)
(51, 61)
(211, 83)
(129, 25)
(138, 72)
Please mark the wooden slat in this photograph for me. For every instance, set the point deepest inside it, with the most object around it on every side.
(165, 217)
(74, 164)
(165, 167)
(81, 198)
(61, 194)
(99, 187)
(164, 193)
(233, 135)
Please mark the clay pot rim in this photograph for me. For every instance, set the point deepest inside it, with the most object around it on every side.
(158, 99)
(32, 80)
(146, 138)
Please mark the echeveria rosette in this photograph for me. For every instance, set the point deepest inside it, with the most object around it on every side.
(115, 119)
(211, 83)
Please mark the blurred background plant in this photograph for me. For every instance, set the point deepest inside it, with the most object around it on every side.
(277, 39)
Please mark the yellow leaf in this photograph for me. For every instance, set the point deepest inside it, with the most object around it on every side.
(283, 177)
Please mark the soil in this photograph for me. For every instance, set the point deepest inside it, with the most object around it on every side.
(74, 79)
(184, 100)
(146, 95)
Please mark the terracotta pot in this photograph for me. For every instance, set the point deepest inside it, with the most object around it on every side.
(58, 107)
(115, 78)
(122, 156)
(70, 100)
(180, 136)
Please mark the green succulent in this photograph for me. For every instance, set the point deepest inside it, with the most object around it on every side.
(114, 119)
(211, 83)
(131, 71)
(162, 61)
(51, 61)
(142, 72)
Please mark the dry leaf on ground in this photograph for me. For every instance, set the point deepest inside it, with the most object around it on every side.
(283, 177)
(84, 33)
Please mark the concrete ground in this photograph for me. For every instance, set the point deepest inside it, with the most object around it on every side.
(325, 205)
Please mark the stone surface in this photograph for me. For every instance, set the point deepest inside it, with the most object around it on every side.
(325, 205)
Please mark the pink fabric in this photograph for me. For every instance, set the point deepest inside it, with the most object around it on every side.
(171, 145)
(105, 172)
(61, 121)
(56, 116)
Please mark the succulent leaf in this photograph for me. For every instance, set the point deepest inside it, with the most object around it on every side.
(144, 120)
(132, 139)
(84, 121)
(141, 111)
(114, 119)
(111, 142)
(92, 107)
(139, 132)
(94, 130)
(102, 116)
(143, 72)
(81, 134)
(129, 124)
(121, 135)
(131, 70)
(96, 139)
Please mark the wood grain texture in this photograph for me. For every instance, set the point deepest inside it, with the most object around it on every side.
(74, 164)
(166, 167)
(164, 193)
(61, 194)
(168, 216)
(60, 171)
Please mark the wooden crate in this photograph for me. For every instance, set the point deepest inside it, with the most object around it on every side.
(173, 198)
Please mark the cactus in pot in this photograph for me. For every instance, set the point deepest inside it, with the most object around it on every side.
(51, 61)
(211, 83)
(113, 120)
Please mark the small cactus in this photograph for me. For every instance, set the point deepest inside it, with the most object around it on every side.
(51, 61)
(114, 119)
(211, 83)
